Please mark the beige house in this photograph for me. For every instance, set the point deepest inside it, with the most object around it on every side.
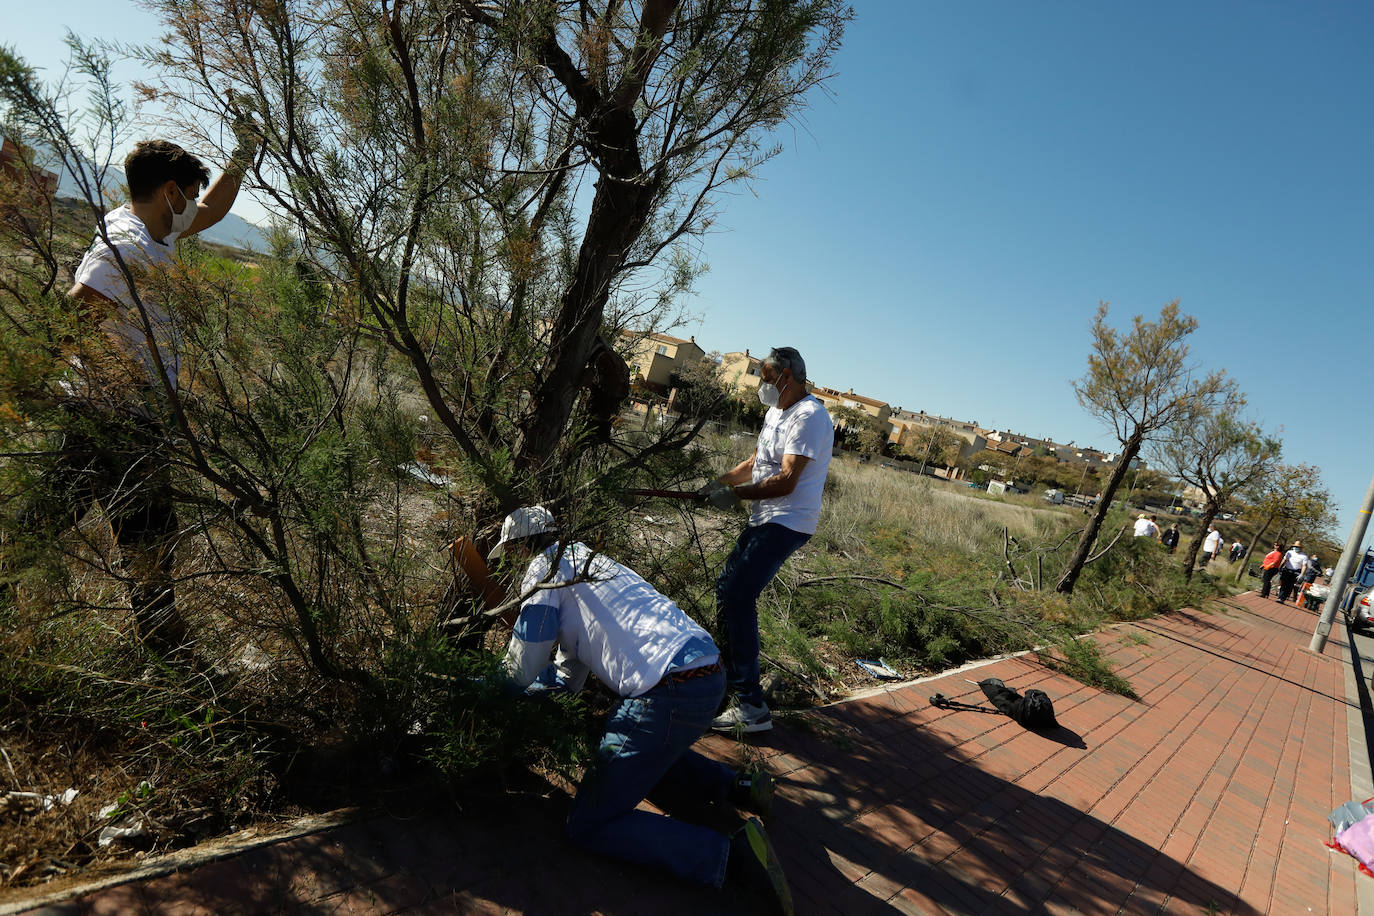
(832, 398)
(654, 358)
(739, 372)
(908, 425)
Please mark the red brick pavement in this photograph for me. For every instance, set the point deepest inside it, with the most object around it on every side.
(1208, 793)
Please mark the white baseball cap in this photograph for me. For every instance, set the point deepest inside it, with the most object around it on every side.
(523, 523)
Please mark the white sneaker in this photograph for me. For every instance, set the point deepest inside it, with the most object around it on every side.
(745, 718)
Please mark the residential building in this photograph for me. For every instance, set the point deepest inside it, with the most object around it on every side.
(655, 358)
(911, 432)
(1078, 454)
(908, 424)
(739, 372)
(832, 399)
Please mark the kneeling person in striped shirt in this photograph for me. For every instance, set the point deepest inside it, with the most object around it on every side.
(603, 618)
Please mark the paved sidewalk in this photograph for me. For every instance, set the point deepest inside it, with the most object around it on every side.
(1207, 794)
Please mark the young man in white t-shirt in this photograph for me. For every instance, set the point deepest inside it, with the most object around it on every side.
(604, 619)
(1211, 545)
(165, 182)
(114, 434)
(784, 477)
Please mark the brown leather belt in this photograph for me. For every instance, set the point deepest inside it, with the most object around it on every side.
(692, 673)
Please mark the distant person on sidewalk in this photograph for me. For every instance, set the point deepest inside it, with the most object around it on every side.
(1294, 561)
(1310, 571)
(667, 672)
(1211, 544)
(1270, 568)
(784, 477)
(1170, 537)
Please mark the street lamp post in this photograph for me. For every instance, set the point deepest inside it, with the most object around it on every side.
(1337, 591)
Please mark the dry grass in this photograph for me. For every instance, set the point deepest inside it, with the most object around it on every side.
(863, 498)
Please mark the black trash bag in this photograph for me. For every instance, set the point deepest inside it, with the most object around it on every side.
(1034, 710)
(1000, 695)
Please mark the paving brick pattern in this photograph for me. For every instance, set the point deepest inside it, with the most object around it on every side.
(1208, 793)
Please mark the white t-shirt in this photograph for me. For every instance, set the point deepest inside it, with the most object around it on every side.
(616, 625)
(142, 253)
(1144, 528)
(1213, 542)
(1294, 559)
(802, 429)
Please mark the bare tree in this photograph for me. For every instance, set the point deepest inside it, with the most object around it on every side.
(1220, 454)
(1137, 383)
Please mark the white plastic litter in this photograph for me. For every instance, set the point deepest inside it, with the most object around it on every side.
(129, 826)
(109, 834)
(879, 669)
(424, 474)
(47, 802)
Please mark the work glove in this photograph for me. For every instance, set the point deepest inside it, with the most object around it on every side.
(247, 133)
(718, 494)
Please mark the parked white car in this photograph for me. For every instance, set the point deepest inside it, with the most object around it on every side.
(1361, 613)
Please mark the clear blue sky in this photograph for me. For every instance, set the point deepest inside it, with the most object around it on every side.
(938, 234)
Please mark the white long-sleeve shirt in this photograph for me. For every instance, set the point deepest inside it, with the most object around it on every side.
(614, 625)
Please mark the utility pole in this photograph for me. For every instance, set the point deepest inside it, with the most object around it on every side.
(1337, 593)
(929, 442)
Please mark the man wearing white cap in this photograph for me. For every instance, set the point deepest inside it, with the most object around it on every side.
(603, 618)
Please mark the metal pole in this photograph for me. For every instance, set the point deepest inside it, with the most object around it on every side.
(1352, 550)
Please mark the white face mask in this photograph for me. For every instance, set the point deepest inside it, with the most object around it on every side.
(183, 220)
(769, 394)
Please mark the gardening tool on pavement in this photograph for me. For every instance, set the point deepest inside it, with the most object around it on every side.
(1034, 710)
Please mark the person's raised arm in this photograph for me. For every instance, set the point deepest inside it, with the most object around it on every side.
(219, 198)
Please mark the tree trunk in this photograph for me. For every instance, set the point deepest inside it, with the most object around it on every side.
(1190, 557)
(624, 198)
(1250, 551)
(1130, 449)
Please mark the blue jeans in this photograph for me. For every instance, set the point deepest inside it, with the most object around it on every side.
(758, 555)
(645, 754)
